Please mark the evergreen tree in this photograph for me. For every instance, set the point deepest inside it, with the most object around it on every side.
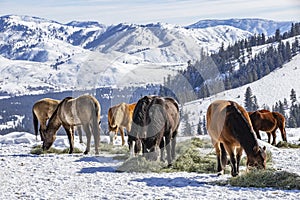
(293, 96)
(204, 125)
(250, 100)
(199, 128)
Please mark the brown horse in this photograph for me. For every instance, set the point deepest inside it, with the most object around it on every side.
(84, 111)
(120, 117)
(155, 119)
(42, 111)
(267, 121)
(230, 129)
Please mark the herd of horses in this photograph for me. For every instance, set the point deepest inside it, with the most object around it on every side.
(152, 125)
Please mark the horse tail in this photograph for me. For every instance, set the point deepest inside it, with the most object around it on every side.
(223, 155)
(35, 123)
(281, 124)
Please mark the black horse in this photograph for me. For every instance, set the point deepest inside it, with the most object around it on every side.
(155, 126)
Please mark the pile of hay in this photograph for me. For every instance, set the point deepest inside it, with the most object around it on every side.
(189, 158)
(39, 150)
(113, 149)
(267, 178)
(140, 164)
(283, 144)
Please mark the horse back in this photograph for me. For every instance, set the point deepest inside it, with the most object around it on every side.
(44, 108)
(221, 124)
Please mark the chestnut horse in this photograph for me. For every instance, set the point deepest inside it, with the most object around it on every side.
(155, 119)
(42, 111)
(120, 117)
(269, 122)
(230, 129)
(84, 111)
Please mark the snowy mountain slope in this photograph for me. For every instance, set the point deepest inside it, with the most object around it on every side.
(53, 57)
(268, 27)
(268, 90)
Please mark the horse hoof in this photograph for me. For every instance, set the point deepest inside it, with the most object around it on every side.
(234, 174)
(220, 173)
(86, 152)
(170, 165)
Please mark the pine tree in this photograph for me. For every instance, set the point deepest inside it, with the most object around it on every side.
(199, 128)
(250, 100)
(248, 96)
(204, 125)
(293, 96)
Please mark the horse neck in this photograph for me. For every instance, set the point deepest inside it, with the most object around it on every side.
(54, 122)
(244, 134)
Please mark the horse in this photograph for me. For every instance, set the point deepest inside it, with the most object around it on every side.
(230, 129)
(120, 117)
(155, 126)
(82, 111)
(42, 110)
(267, 121)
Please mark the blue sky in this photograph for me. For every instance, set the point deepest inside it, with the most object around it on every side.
(181, 12)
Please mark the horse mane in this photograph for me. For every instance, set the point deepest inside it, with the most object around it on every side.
(58, 106)
(241, 128)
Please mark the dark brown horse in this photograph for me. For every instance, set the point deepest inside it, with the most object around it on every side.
(82, 111)
(269, 122)
(230, 129)
(42, 110)
(155, 125)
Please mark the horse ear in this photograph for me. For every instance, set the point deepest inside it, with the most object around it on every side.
(256, 149)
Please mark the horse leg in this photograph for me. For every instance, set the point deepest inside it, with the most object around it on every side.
(219, 153)
(88, 133)
(70, 132)
(173, 143)
(162, 152)
(122, 135)
(233, 161)
(274, 137)
(96, 139)
(43, 128)
(238, 158)
(79, 130)
(257, 134)
(269, 137)
(283, 133)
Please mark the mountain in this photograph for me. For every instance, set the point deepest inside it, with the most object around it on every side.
(269, 90)
(254, 26)
(39, 55)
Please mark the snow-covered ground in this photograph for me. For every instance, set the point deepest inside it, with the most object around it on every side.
(51, 176)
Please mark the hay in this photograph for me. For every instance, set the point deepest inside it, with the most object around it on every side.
(113, 149)
(267, 178)
(140, 164)
(38, 150)
(283, 144)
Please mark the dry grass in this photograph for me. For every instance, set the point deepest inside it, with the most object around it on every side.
(39, 150)
(283, 144)
(267, 178)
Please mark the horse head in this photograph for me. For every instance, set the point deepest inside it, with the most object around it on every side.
(258, 159)
(49, 139)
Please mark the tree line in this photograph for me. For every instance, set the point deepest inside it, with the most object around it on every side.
(232, 67)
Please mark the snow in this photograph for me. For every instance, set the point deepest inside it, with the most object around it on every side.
(268, 90)
(52, 176)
